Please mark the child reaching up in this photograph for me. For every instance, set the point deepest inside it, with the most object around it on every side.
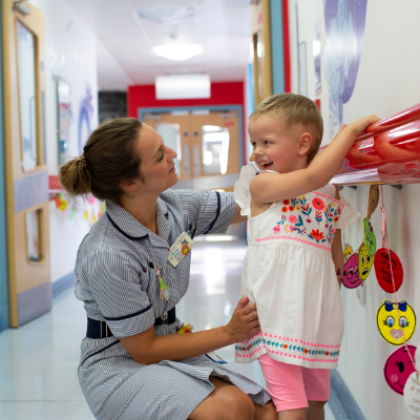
(294, 256)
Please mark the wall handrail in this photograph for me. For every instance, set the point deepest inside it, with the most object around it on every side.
(388, 152)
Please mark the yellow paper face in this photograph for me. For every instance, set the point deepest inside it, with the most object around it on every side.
(365, 263)
(389, 325)
(348, 250)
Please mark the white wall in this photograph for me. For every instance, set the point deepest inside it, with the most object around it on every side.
(388, 82)
(71, 55)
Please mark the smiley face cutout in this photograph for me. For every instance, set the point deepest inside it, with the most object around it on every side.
(369, 236)
(390, 327)
(350, 277)
(348, 250)
(365, 262)
(398, 367)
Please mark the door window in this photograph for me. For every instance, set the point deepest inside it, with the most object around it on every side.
(171, 134)
(215, 149)
(27, 96)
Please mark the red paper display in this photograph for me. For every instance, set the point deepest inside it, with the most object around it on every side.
(383, 272)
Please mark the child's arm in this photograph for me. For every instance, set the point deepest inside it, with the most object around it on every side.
(337, 256)
(271, 187)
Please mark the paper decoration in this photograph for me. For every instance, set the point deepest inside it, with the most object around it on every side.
(369, 237)
(412, 396)
(383, 271)
(396, 321)
(398, 367)
(350, 277)
(365, 262)
(373, 200)
(348, 250)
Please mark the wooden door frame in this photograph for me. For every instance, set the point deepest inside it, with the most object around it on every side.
(4, 279)
(217, 108)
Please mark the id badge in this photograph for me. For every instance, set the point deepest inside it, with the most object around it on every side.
(181, 247)
(214, 357)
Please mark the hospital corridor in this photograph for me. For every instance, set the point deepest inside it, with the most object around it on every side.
(209, 209)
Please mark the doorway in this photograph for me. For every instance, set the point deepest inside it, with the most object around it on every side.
(207, 142)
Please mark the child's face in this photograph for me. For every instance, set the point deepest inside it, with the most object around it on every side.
(274, 146)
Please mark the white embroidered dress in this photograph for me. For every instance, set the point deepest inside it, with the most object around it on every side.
(289, 273)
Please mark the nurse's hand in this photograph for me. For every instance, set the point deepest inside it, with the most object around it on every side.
(244, 323)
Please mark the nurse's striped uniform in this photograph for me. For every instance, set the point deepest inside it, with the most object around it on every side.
(116, 279)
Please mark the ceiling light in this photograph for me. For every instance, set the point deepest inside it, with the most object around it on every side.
(183, 86)
(178, 52)
(168, 15)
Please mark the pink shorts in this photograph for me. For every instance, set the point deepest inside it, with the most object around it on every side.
(292, 386)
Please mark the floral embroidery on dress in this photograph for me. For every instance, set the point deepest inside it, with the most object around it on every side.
(317, 236)
(295, 223)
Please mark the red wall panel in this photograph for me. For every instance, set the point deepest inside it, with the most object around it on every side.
(143, 96)
(222, 93)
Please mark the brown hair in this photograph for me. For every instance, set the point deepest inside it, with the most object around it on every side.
(295, 109)
(109, 157)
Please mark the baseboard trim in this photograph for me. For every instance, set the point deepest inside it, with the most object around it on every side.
(342, 403)
(60, 285)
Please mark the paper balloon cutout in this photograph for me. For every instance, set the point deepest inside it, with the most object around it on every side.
(411, 396)
(350, 277)
(389, 324)
(369, 237)
(365, 262)
(348, 250)
(383, 271)
(398, 367)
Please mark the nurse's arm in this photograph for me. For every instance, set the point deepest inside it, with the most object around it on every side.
(147, 348)
(238, 218)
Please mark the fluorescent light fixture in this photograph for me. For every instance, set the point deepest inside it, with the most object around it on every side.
(167, 15)
(183, 86)
(178, 52)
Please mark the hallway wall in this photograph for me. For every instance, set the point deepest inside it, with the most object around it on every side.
(387, 83)
(70, 55)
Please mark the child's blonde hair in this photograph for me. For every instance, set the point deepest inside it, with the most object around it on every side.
(295, 109)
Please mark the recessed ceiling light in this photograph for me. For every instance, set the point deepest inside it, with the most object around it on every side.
(178, 52)
(168, 15)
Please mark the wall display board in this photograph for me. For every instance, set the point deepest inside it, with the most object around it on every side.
(26, 170)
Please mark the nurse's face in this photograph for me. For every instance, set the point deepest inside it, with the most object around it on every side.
(157, 166)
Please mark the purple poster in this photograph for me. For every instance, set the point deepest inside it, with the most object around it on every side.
(345, 27)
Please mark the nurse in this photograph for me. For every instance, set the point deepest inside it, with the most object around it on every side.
(132, 269)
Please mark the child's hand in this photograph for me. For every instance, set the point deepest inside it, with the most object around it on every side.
(360, 125)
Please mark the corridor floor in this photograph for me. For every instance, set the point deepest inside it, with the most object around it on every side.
(38, 361)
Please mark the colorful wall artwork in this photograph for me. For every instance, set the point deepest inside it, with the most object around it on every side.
(345, 26)
(85, 116)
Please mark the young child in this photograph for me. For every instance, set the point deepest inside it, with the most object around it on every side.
(293, 218)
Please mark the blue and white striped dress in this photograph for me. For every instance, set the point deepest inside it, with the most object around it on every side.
(116, 280)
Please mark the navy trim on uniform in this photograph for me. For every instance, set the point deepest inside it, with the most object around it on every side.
(217, 214)
(121, 231)
(101, 350)
(119, 318)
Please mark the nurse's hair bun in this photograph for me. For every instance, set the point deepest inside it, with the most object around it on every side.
(109, 157)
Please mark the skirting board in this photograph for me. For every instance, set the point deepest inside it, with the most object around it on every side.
(60, 285)
(342, 403)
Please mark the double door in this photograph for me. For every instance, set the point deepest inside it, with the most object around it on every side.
(207, 144)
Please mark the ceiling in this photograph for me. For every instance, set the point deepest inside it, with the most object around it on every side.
(125, 40)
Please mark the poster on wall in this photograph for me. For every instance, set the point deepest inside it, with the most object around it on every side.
(85, 117)
(344, 26)
(302, 69)
(64, 119)
(316, 48)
